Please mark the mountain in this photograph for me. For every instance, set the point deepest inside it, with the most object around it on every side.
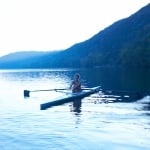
(26, 59)
(125, 43)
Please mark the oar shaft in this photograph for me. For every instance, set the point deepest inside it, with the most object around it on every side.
(48, 90)
(27, 92)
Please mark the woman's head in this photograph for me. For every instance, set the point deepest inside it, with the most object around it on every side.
(77, 76)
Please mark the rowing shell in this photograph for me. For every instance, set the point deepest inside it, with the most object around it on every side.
(70, 97)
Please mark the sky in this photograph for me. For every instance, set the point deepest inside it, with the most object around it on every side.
(45, 25)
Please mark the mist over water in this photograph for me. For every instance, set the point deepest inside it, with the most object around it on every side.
(114, 118)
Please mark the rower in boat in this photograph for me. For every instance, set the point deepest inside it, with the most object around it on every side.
(76, 84)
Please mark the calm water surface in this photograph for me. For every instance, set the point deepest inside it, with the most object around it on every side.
(116, 118)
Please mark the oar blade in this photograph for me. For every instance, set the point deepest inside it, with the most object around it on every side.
(26, 93)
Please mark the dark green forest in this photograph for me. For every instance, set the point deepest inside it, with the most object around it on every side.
(125, 43)
(137, 54)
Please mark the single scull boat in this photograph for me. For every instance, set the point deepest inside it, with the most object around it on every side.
(70, 97)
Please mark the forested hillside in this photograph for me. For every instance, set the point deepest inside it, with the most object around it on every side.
(125, 43)
(137, 53)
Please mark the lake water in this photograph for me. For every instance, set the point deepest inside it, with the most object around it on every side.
(116, 118)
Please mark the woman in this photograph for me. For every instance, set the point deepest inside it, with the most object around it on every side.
(76, 84)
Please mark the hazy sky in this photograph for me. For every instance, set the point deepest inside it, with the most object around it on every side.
(57, 24)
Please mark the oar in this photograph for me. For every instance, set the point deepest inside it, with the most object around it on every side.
(27, 92)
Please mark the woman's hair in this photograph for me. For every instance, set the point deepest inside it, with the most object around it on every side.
(77, 75)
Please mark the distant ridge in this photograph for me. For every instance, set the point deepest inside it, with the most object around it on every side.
(125, 43)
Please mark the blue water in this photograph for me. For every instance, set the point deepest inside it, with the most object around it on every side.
(97, 122)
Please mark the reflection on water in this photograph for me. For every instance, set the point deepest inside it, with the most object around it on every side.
(117, 117)
(76, 106)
